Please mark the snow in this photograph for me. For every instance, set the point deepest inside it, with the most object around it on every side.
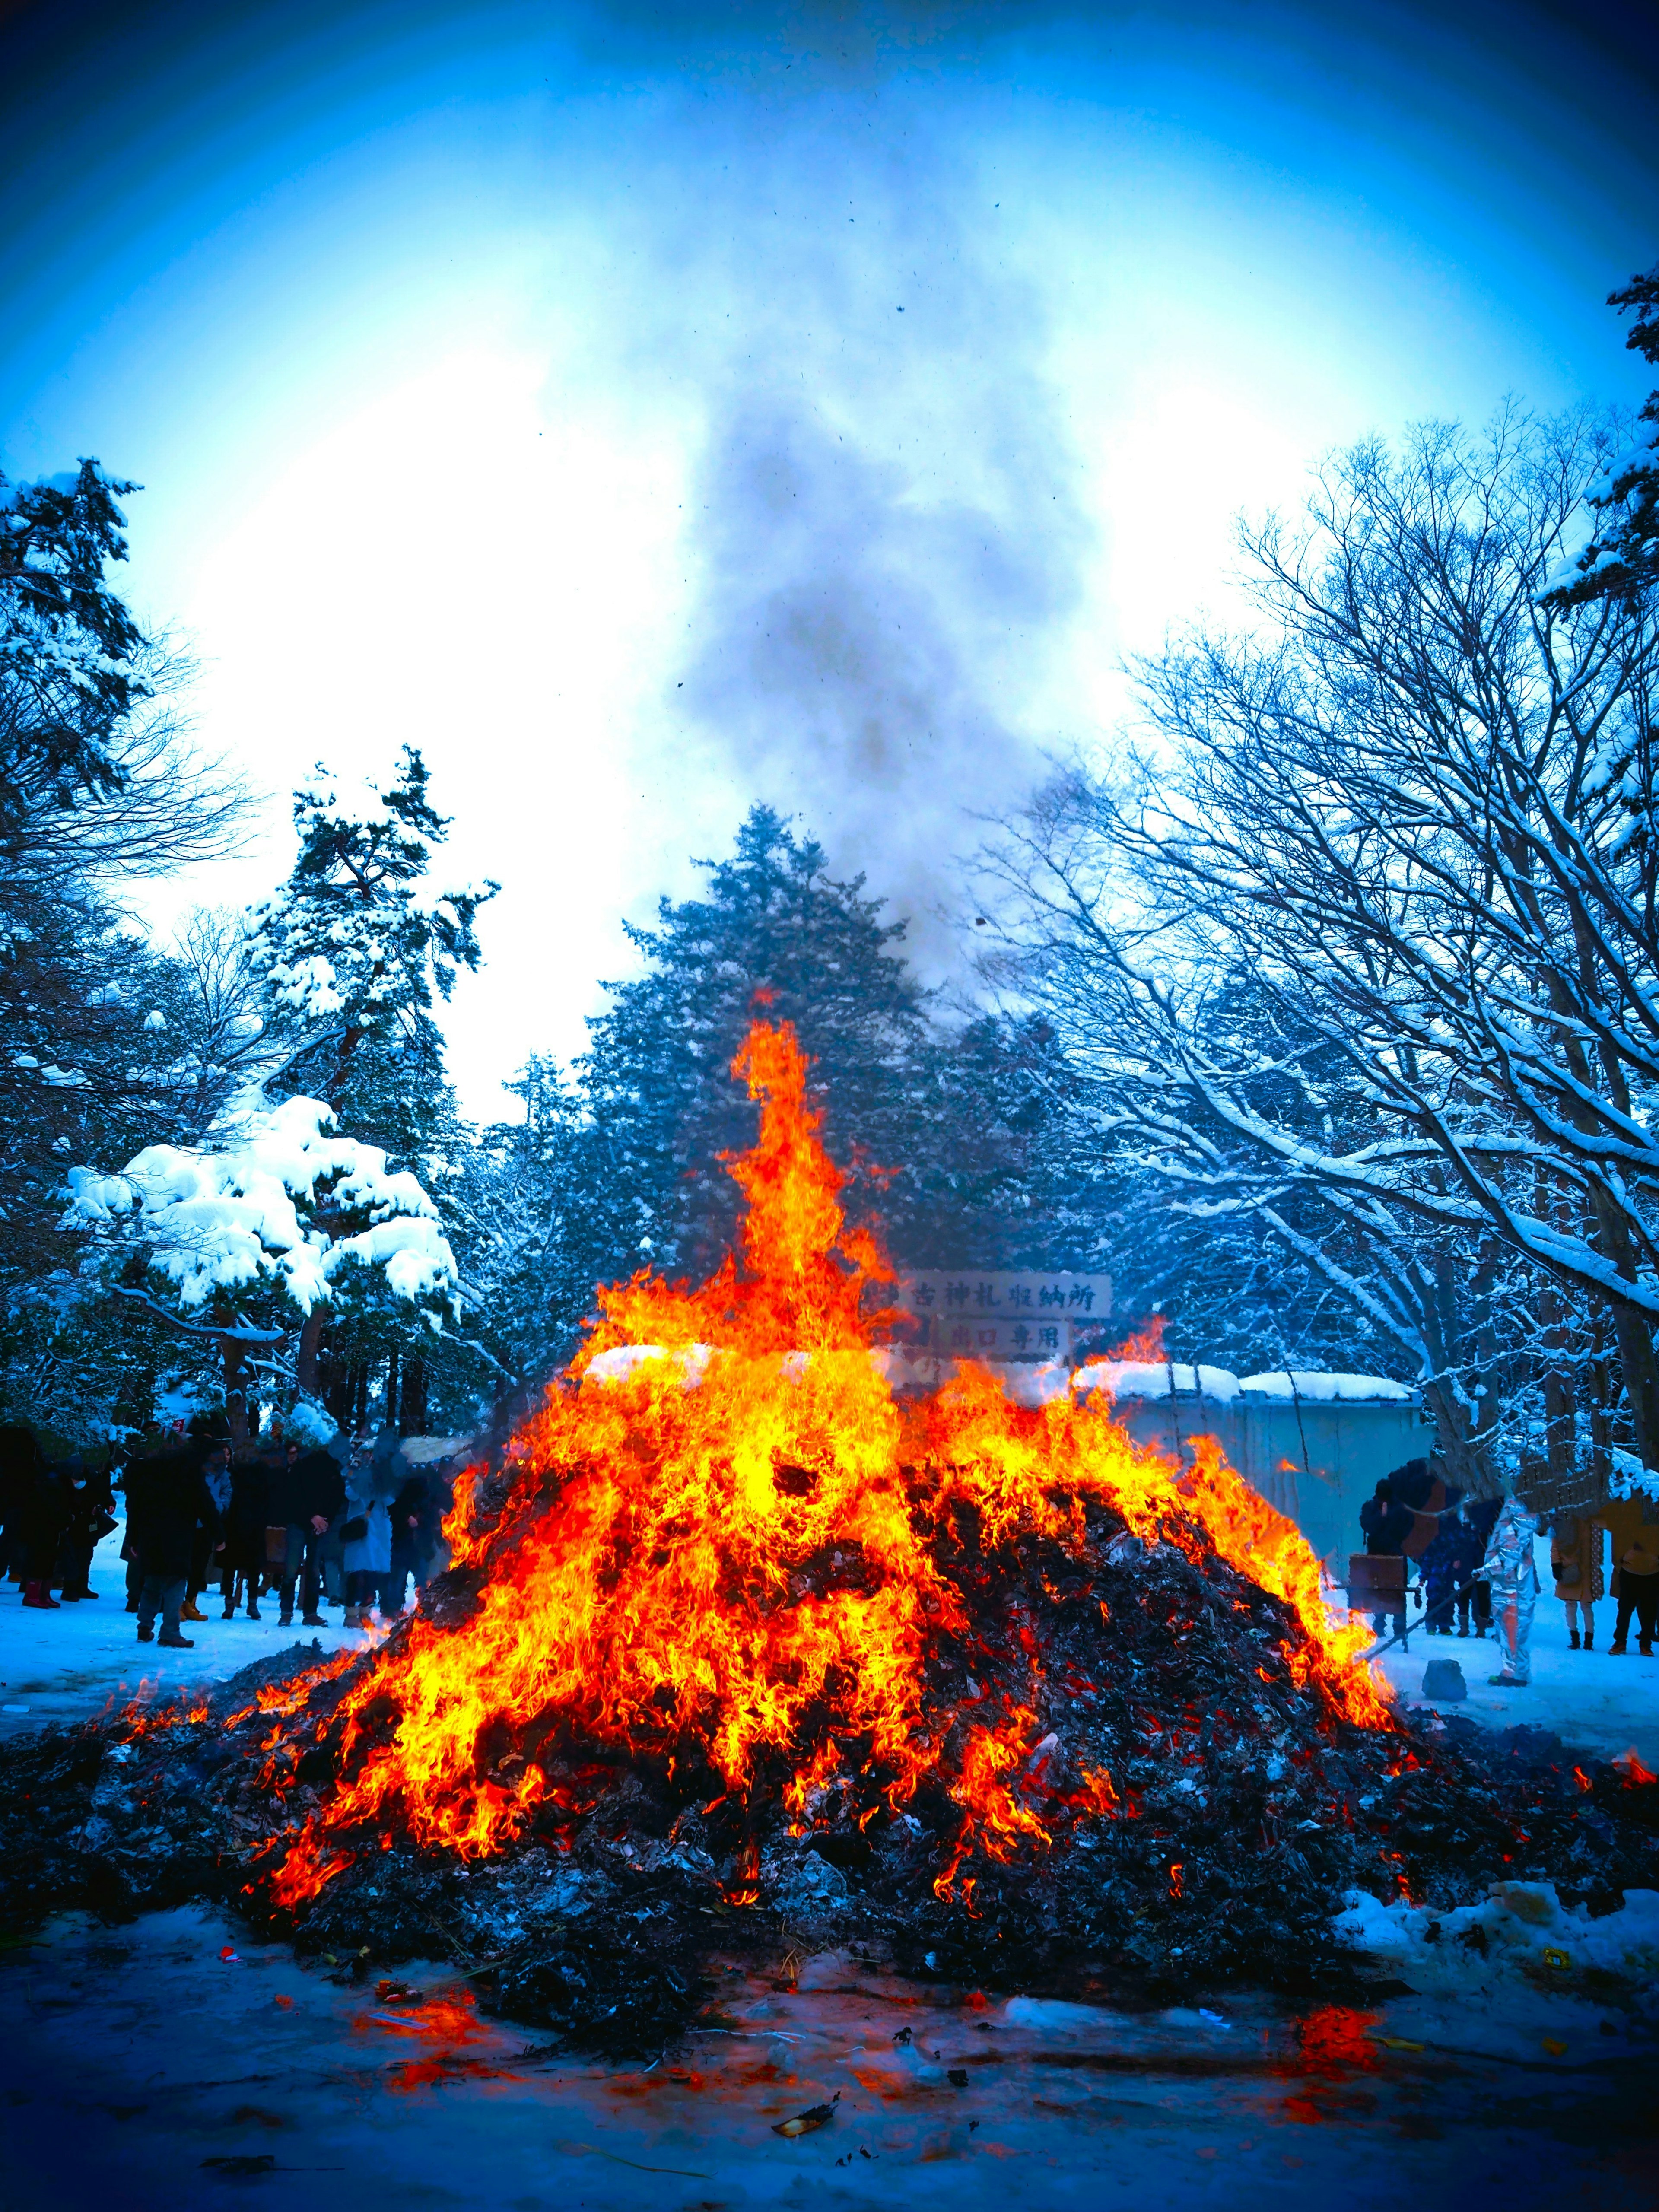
(1032, 1384)
(224, 1219)
(1026, 1384)
(140, 2053)
(1593, 1700)
(307, 1424)
(1521, 1922)
(1630, 1479)
(1321, 1389)
(65, 1665)
(1141, 1378)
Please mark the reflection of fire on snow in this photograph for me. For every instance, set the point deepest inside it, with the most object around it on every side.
(720, 1549)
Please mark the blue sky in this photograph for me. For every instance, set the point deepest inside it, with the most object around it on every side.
(647, 411)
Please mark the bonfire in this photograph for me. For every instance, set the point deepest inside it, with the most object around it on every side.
(751, 1647)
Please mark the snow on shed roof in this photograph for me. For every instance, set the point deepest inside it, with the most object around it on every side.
(1325, 1389)
(1152, 1378)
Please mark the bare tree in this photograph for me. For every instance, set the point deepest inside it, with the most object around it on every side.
(1411, 812)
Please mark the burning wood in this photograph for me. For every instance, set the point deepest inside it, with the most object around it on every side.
(740, 1650)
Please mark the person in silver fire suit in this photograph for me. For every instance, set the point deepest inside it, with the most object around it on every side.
(1510, 1573)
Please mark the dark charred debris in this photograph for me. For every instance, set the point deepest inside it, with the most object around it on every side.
(1245, 1812)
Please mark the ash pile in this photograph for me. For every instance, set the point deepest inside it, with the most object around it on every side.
(1245, 1808)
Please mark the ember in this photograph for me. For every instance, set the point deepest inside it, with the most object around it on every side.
(747, 1648)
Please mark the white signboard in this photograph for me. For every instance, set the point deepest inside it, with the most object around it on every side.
(966, 1315)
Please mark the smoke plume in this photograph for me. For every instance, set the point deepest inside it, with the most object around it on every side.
(885, 523)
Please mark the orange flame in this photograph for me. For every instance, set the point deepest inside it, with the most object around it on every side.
(716, 1550)
(1145, 1346)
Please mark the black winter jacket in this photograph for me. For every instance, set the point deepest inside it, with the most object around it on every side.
(167, 1501)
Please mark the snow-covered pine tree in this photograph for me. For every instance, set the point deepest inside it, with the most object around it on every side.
(945, 1132)
(69, 649)
(237, 1243)
(1623, 556)
(775, 934)
(357, 946)
(97, 784)
(354, 951)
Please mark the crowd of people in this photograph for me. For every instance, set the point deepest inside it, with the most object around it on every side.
(1478, 1570)
(348, 1522)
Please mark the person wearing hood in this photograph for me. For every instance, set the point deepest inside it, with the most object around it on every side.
(208, 1548)
(1445, 1567)
(1510, 1573)
(415, 1518)
(372, 1482)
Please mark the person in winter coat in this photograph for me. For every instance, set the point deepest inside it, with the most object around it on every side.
(40, 1516)
(1441, 1563)
(204, 1561)
(1511, 1572)
(1636, 1585)
(168, 1502)
(21, 1466)
(1576, 1564)
(1482, 1515)
(415, 1515)
(87, 1507)
(243, 1559)
(1385, 1523)
(372, 1482)
(148, 1444)
(307, 1495)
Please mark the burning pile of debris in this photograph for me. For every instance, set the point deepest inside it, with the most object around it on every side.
(744, 1652)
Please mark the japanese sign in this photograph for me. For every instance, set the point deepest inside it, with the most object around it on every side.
(961, 1314)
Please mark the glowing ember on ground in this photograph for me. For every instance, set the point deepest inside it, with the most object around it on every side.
(719, 1549)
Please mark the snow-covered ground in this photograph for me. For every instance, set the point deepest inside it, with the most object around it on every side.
(63, 1665)
(1590, 1698)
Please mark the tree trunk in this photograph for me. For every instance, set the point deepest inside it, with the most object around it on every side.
(311, 1346)
(393, 1372)
(411, 1420)
(235, 1396)
(1632, 1330)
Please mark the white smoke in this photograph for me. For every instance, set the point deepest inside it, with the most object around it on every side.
(884, 522)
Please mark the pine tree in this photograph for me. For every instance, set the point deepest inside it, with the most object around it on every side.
(1623, 556)
(99, 1045)
(235, 1244)
(778, 935)
(948, 1135)
(69, 649)
(354, 951)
